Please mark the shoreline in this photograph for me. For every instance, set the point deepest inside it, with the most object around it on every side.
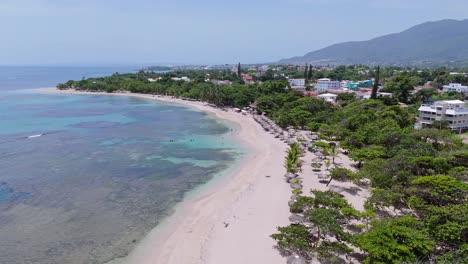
(251, 204)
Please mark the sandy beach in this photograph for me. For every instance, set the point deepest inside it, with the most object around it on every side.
(231, 221)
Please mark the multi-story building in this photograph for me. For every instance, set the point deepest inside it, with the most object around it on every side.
(296, 82)
(327, 84)
(457, 87)
(455, 112)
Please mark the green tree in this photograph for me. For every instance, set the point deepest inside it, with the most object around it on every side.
(401, 86)
(396, 240)
(366, 154)
(440, 190)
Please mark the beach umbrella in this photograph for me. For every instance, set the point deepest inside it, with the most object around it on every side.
(290, 175)
(322, 176)
(318, 160)
(296, 219)
(296, 186)
(336, 189)
(295, 259)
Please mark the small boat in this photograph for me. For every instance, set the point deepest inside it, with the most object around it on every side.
(35, 136)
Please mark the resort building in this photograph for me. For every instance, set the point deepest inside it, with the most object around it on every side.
(327, 84)
(455, 112)
(457, 87)
(296, 82)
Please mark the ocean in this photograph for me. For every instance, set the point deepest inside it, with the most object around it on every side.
(83, 178)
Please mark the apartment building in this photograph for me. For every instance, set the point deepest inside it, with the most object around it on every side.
(455, 112)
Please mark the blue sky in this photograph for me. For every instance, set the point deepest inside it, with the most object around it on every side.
(198, 31)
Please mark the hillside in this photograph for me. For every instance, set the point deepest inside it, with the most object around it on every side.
(431, 43)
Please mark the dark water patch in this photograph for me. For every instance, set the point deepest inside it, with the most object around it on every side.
(8, 194)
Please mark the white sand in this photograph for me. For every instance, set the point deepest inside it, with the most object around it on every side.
(356, 195)
(253, 205)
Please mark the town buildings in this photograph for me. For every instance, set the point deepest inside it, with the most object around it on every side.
(296, 82)
(327, 84)
(329, 97)
(455, 112)
(457, 87)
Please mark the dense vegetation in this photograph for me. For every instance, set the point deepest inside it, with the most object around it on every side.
(418, 208)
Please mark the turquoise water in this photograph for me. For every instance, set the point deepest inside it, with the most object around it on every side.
(84, 178)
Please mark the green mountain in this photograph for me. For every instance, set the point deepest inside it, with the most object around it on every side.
(437, 43)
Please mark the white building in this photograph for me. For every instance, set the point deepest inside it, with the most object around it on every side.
(296, 82)
(329, 97)
(187, 79)
(457, 87)
(344, 84)
(327, 84)
(455, 112)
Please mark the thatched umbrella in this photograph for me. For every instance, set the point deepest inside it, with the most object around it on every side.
(295, 259)
(336, 189)
(297, 219)
(318, 160)
(322, 176)
(296, 186)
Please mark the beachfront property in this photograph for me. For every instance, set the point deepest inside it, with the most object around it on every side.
(329, 97)
(327, 84)
(455, 112)
(457, 87)
(296, 82)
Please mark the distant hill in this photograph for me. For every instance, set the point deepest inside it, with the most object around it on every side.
(437, 43)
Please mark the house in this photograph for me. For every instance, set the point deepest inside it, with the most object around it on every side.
(247, 78)
(296, 82)
(329, 97)
(327, 84)
(457, 87)
(455, 112)
(379, 94)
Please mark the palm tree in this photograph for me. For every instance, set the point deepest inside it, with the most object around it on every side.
(334, 152)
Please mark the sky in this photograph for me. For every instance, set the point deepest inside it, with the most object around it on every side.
(156, 32)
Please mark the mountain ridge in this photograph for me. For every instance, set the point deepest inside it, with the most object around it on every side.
(434, 42)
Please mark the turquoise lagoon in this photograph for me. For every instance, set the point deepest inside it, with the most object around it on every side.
(83, 178)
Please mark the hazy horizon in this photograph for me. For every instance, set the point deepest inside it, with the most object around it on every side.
(145, 32)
